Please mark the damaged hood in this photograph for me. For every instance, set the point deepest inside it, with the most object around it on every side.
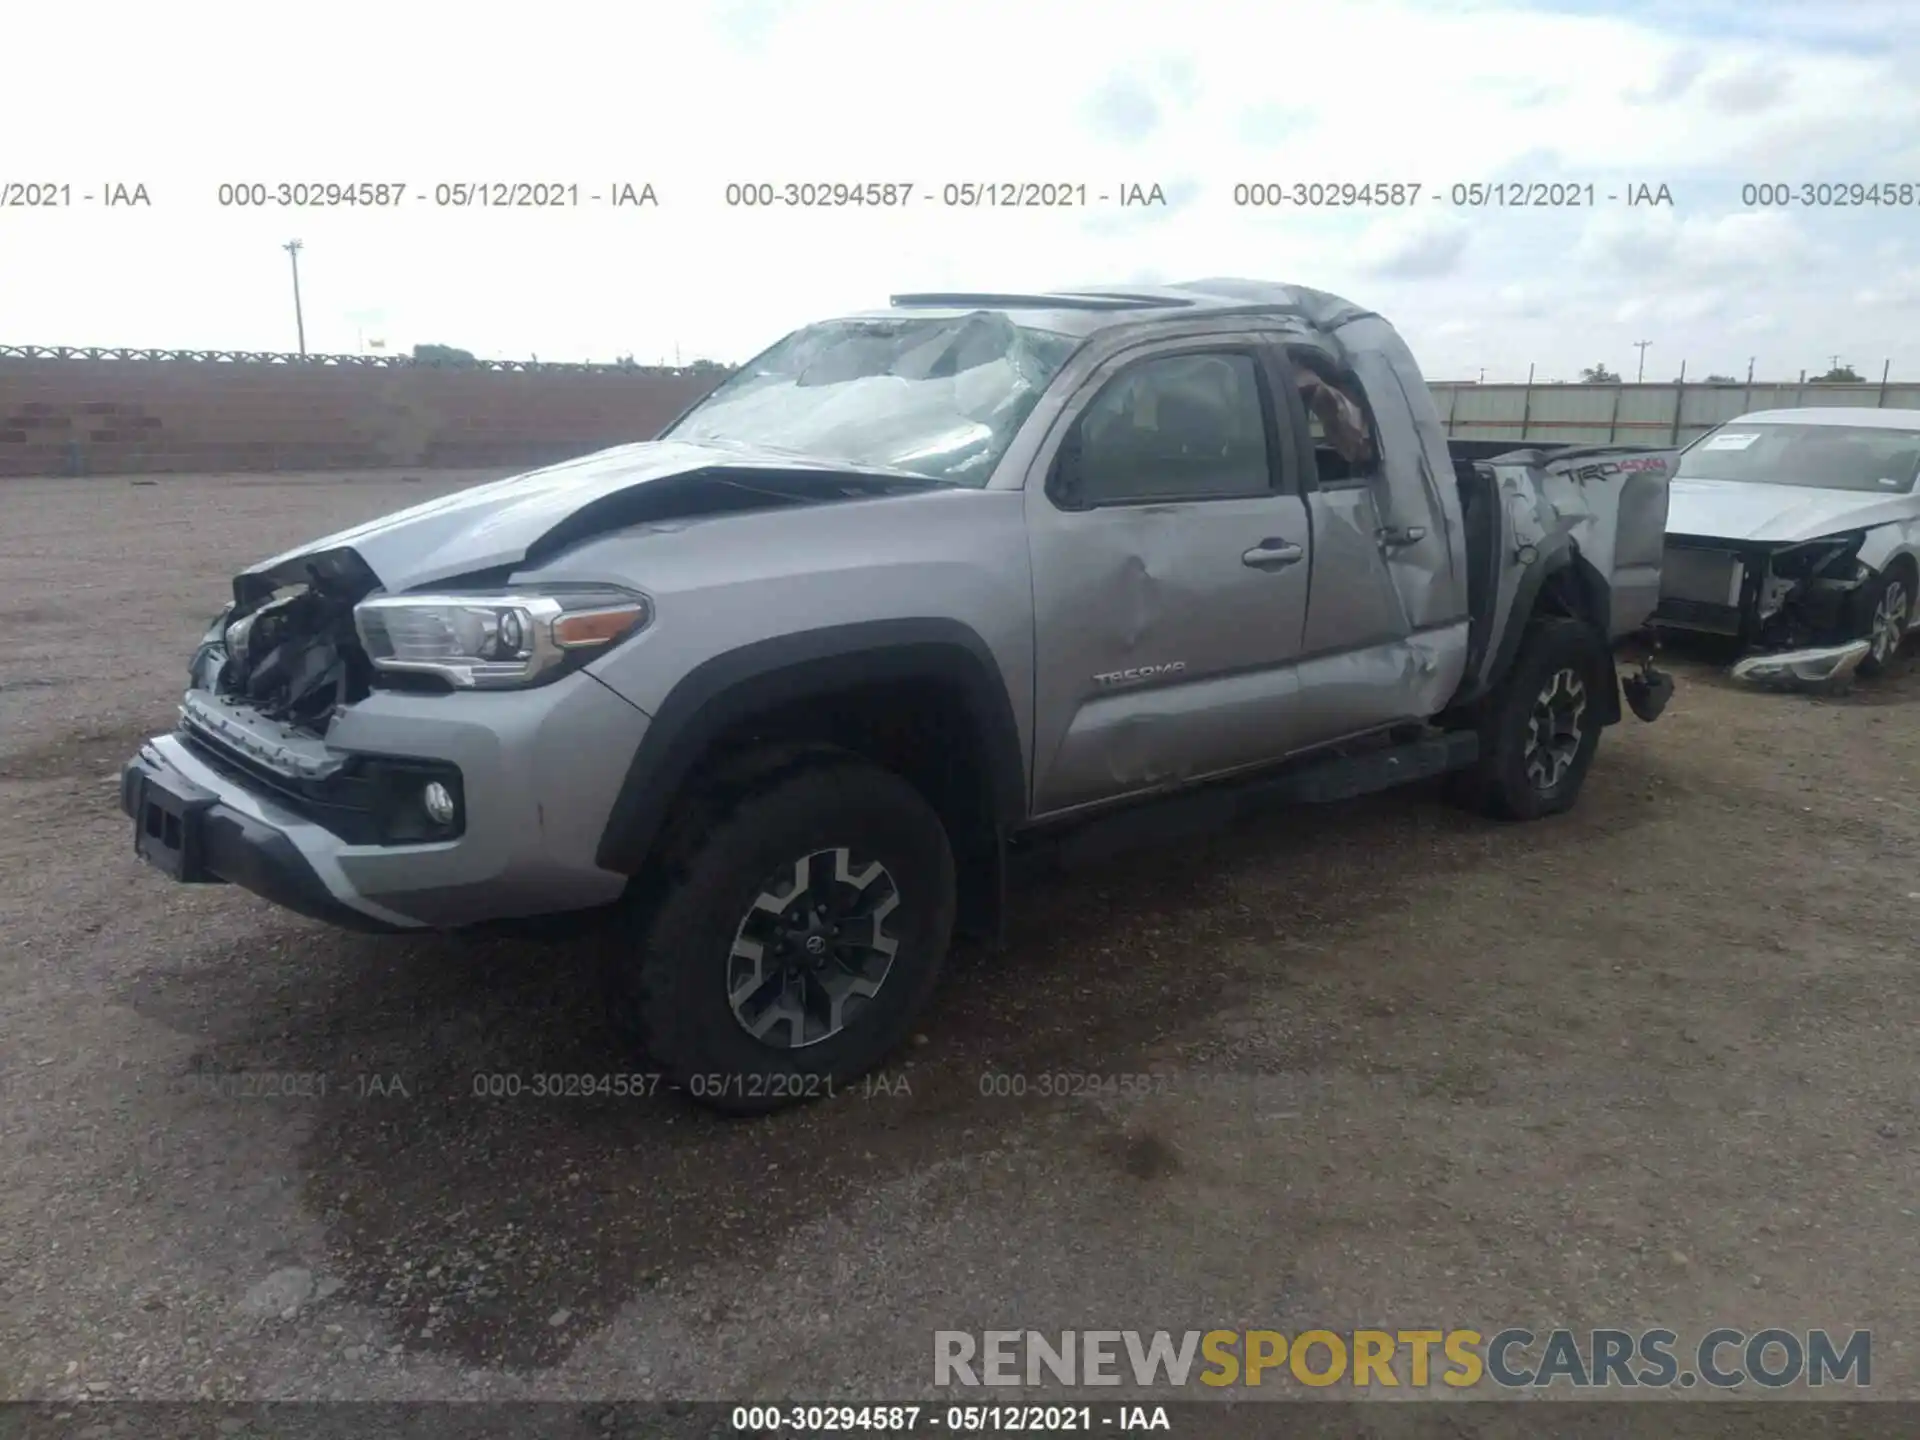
(1777, 514)
(500, 523)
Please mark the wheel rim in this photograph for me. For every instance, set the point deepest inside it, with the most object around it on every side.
(1554, 728)
(1889, 620)
(813, 949)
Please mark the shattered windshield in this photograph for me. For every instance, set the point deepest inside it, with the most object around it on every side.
(1827, 457)
(938, 397)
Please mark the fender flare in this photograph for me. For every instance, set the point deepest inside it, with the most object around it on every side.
(733, 686)
(1561, 556)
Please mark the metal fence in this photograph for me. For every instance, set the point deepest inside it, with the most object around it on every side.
(1665, 414)
(383, 362)
(1660, 414)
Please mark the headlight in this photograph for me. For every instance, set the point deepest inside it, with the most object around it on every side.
(236, 636)
(203, 670)
(1808, 558)
(497, 641)
(217, 627)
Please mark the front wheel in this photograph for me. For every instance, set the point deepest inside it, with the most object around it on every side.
(795, 941)
(1540, 729)
(1887, 605)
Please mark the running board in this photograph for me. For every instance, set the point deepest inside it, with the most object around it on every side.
(1209, 809)
(1346, 777)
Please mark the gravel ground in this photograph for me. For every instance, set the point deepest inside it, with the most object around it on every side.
(1648, 1064)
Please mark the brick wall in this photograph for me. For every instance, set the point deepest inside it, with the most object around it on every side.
(142, 416)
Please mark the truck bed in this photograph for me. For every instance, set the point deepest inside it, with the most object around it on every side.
(1623, 538)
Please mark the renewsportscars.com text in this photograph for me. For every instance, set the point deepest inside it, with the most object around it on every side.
(1510, 1359)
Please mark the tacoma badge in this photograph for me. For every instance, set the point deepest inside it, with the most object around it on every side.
(1139, 673)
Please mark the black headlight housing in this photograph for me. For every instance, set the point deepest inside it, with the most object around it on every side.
(210, 655)
(1828, 558)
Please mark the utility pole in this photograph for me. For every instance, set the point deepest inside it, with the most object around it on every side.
(292, 247)
(1641, 373)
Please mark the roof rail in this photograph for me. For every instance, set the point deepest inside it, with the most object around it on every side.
(1165, 299)
(949, 300)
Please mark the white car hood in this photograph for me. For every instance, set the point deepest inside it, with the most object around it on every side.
(1777, 514)
(496, 524)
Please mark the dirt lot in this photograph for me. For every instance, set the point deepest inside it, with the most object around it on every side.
(1649, 1064)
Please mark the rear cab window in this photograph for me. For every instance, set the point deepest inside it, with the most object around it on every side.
(1340, 422)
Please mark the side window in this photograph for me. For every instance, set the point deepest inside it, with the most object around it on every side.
(1180, 427)
(1339, 423)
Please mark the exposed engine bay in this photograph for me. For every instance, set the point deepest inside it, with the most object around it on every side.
(1771, 597)
(288, 648)
(1801, 593)
(291, 654)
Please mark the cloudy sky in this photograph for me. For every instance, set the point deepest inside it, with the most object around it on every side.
(1702, 97)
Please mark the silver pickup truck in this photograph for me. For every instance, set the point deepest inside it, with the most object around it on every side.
(913, 595)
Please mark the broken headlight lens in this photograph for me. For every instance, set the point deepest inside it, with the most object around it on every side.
(203, 670)
(497, 640)
(1808, 558)
(217, 627)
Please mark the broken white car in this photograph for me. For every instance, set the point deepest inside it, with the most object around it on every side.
(1798, 533)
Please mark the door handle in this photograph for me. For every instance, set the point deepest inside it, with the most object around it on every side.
(1273, 555)
(1391, 538)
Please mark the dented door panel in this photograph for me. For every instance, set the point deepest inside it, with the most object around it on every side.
(1416, 489)
(1161, 656)
(1166, 735)
(1353, 604)
(1384, 569)
(1407, 679)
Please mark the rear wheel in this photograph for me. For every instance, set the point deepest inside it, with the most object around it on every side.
(1886, 609)
(1540, 729)
(792, 945)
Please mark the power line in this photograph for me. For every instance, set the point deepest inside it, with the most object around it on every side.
(292, 247)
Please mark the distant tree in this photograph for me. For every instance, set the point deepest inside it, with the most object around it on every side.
(1721, 380)
(1839, 375)
(709, 367)
(1598, 375)
(442, 355)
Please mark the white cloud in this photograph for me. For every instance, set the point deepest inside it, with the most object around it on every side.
(1750, 88)
(1701, 98)
(1124, 109)
(1520, 302)
(1657, 240)
(1423, 248)
(1897, 290)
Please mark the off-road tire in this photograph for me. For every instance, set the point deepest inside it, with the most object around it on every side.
(1507, 782)
(671, 988)
(1894, 587)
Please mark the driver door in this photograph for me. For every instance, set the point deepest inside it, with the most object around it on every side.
(1171, 555)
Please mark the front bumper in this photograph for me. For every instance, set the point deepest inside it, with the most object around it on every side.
(236, 844)
(539, 772)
